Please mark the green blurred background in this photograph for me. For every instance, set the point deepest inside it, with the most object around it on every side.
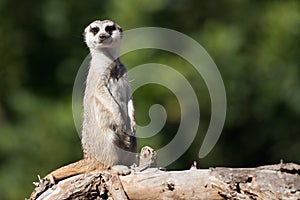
(255, 45)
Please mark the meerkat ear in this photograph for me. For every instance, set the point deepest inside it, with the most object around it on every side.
(84, 32)
(120, 28)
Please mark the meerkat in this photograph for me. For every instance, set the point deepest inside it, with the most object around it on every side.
(108, 131)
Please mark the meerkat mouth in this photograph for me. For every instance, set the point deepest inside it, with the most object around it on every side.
(101, 40)
(105, 40)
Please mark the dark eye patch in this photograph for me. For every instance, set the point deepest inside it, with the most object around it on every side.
(110, 29)
(94, 30)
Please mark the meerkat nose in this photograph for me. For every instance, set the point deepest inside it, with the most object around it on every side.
(102, 37)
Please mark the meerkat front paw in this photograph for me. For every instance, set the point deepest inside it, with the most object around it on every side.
(120, 170)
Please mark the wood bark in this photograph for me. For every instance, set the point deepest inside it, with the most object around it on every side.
(281, 181)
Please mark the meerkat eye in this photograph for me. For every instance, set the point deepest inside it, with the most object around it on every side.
(94, 30)
(110, 29)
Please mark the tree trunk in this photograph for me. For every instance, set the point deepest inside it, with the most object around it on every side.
(281, 181)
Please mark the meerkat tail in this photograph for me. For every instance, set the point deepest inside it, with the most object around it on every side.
(79, 167)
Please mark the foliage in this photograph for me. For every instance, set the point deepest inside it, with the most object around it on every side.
(255, 44)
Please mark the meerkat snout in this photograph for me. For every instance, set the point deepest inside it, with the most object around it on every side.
(103, 37)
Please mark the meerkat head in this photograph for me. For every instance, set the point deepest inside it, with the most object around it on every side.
(103, 34)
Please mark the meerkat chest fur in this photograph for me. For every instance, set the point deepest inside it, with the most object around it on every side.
(108, 133)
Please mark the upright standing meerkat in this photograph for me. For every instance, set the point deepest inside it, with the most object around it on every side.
(108, 132)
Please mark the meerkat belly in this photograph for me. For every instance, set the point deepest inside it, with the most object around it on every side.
(102, 138)
(97, 139)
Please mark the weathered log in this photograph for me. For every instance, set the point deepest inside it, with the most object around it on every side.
(281, 181)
